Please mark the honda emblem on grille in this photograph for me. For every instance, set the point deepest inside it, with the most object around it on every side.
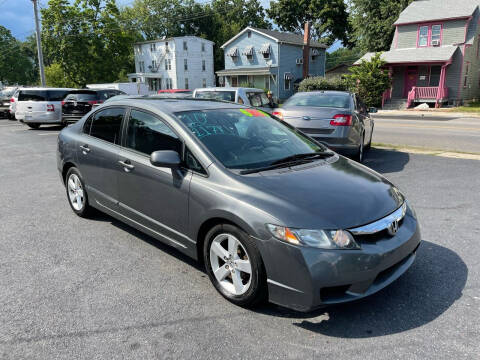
(393, 228)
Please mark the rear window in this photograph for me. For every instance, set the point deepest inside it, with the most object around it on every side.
(7, 93)
(86, 96)
(216, 95)
(320, 100)
(42, 95)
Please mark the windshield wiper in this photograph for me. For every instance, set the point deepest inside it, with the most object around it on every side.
(289, 161)
(307, 156)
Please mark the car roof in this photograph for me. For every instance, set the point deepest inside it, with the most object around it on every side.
(229, 89)
(46, 88)
(331, 92)
(171, 106)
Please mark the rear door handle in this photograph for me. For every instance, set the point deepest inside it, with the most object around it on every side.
(126, 165)
(85, 149)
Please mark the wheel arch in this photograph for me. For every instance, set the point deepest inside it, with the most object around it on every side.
(67, 166)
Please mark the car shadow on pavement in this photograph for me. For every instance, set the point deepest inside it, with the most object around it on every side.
(48, 128)
(386, 161)
(428, 289)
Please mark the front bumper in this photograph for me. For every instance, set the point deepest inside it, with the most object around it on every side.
(316, 277)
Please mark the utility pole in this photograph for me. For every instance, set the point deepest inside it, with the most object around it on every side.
(39, 44)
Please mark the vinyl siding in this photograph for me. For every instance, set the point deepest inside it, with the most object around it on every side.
(453, 32)
(453, 75)
(257, 41)
(194, 56)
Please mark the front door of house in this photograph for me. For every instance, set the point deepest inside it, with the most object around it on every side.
(234, 81)
(411, 76)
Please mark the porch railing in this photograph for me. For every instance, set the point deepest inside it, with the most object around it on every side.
(387, 95)
(430, 92)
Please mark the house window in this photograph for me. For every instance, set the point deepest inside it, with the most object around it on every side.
(152, 47)
(186, 83)
(267, 82)
(168, 83)
(203, 47)
(185, 47)
(185, 64)
(436, 33)
(435, 72)
(249, 34)
(204, 83)
(154, 64)
(465, 79)
(203, 65)
(287, 81)
(141, 66)
(168, 64)
(423, 36)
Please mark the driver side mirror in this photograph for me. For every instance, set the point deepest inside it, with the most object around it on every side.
(165, 158)
(373, 110)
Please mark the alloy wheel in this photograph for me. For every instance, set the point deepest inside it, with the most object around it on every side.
(230, 264)
(75, 192)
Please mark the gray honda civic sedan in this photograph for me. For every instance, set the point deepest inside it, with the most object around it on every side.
(273, 214)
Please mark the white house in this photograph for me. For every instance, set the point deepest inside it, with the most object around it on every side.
(174, 63)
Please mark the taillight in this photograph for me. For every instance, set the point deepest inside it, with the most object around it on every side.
(93, 102)
(12, 100)
(63, 103)
(341, 120)
(278, 114)
(50, 107)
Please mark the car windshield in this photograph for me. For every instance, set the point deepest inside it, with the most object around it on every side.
(247, 138)
(258, 99)
(216, 95)
(323, 100)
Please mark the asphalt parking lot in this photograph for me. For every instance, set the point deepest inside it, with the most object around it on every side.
(98, 289)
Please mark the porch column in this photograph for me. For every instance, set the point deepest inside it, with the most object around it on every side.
(441, 85)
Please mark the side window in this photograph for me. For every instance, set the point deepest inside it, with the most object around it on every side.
(106, 124)
(146, 133)
(192, 163)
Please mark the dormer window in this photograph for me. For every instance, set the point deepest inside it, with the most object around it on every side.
(429, 35)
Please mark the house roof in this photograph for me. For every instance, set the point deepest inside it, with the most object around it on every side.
(278, 36)
(171, 38)
(339, 66)
(429, 10)
(415, 55)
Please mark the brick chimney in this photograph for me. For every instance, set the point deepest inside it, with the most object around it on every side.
(306, 49)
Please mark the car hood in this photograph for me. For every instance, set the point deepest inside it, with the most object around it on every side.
(333, 194)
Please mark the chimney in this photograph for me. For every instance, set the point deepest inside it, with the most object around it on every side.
(306, 49)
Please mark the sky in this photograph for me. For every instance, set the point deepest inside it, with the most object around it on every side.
(17, 16)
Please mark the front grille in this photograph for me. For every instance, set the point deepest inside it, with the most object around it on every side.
(378, 236)
(316, 131)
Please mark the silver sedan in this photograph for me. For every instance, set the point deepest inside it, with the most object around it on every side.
(338, 119)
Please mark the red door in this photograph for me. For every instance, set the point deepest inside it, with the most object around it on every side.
(411, 76)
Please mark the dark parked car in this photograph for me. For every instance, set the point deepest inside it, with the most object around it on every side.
(79, 102)
(338, 119)
(272, 213)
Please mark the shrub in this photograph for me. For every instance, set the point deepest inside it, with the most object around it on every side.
(320, 83)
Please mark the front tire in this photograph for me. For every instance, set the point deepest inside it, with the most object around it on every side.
(76, 193)
(234, 265)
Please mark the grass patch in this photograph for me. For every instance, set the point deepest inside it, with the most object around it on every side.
(473, 107)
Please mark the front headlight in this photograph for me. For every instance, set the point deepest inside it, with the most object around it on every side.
(323, 239)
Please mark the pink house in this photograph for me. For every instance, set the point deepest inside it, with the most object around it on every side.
(435, 53)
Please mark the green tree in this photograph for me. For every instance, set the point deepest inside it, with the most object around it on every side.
(320, 83)
(329, 18)
(55, 76)
(372, 22)
(16, 67)
(370, 79)
(342, 56)
(88, 40)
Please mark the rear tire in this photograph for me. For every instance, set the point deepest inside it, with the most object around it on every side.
(361, 150)
(369, 146)
(33, 125)
(234, 265)
(76, 193)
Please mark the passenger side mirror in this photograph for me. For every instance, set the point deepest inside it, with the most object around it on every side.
(373, 110)
(165, 158)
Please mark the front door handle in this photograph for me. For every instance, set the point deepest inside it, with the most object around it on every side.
(85, 149)
(126, 165)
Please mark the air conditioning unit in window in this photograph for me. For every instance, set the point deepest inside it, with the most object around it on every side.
(299, 61)
(435, 42)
